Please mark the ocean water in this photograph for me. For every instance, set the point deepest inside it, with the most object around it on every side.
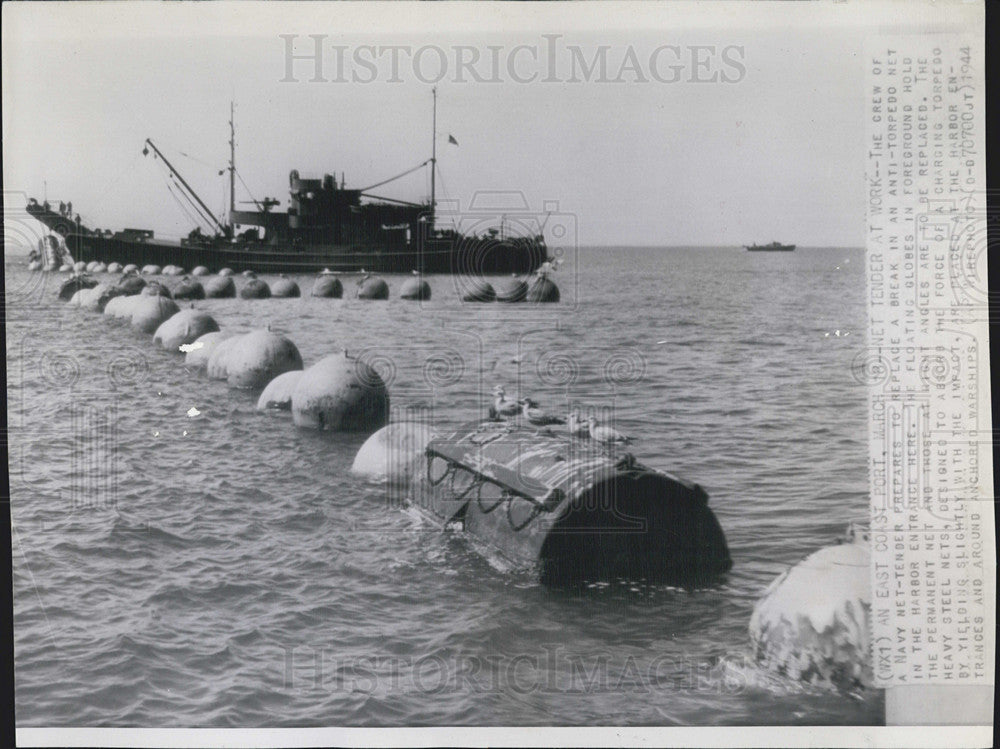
(180, 559)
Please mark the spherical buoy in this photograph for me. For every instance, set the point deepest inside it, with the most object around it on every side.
(65, 268)
(249, 274)
(74, 284)
(185, 327)
(79, 266)
(150, 312)
(415, 288)
(479, 291)
(90, 266)
(132, 284)
(225, 272)
(285, 287)
(175, 270)
(189, 289)
(197, 353)
(812, 623)
(543, 290)
(114, 267)
(221, 287)
(199, 270)
(99, 268)
(35, 265)
(151, 270)
(278, 393)
(394, 453)
(88, 299)
(373, 288)
(121, 307)
(130, 268)
(258, 357)
(513, 290)
(255, 289)
(109, 293)
(217, 365)
(155, 288)
(340, 394)
(328, 286)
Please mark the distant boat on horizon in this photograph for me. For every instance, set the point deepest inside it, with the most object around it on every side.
(773, 247)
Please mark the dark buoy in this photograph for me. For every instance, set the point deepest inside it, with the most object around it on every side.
(415, 288)
(199, 270)
(189, 289)
(131, 284)
(258, 357)
(285, 287)
(513, 290)
(479, 291)
(150, 312)
(221, 287)
(340, 394)
(155, 288)
(255, 289)
(543, 290)
(373, 288)
(73, 284)
(328, 286)
(185, 327)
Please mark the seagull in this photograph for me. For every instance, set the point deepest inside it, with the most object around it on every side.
(578, 428)
(607, 435)
(536, 415)
(503, 407)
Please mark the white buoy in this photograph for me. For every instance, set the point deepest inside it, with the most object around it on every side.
(217, 366)
(394, 453)
(259, 357)
(89, 299)
(35, 265)
(812, 623)
(151, 270)
(130, 268)
(197, 353)
(415, 288)
(99, 268)
(278, 393)
(199, 270)
(79, 266)
(114, 267)
(121, 307)
(226, 272)
(340, 394)
(150, 312)
(185, 327)
(255, 289)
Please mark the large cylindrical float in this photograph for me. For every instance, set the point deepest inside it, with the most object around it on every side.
(569, 509)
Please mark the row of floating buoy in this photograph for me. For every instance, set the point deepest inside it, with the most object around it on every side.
(337, 393)
(541, 288)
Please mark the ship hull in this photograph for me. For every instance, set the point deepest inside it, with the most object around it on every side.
(779, 248)
(445, 254)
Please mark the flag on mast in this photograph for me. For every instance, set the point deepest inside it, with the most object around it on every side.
(451, 139)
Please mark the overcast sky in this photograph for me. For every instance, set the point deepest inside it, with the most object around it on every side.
(643, 154)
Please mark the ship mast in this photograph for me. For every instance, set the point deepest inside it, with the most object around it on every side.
(232, 161)
(434, 155)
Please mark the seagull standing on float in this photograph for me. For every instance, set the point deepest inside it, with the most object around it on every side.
(606, 435)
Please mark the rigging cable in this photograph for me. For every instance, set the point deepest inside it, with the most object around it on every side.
(398, 176)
